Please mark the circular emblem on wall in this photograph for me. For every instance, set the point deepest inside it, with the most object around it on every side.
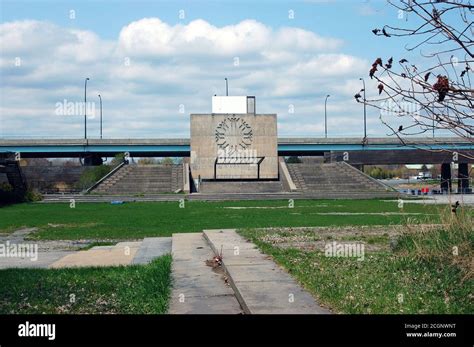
(233, 134)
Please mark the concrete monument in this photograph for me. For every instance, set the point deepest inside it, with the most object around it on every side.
(234, 143)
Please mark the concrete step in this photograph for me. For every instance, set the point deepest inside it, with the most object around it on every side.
(333, 178)
(217, 187)
(197, 288)
(260, 285)
(65, 198)
(135, 179)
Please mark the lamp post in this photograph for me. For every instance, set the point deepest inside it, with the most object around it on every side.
(326, 117)
(85, 108)
(100, 99)
(365, 109)
(226, 87)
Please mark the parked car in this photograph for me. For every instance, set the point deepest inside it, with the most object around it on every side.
(424, 176)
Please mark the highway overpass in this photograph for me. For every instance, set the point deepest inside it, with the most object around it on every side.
(373, 151)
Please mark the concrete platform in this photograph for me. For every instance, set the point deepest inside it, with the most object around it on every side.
(260, 285)
(151, 248)
(120, 254)
(197, 288)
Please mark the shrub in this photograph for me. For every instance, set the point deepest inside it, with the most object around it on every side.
(449, 244)
(293, 160)
(167, 161)
(379, 173)
(147, 161)
(92, 175)
(33, 196)
(119, 157)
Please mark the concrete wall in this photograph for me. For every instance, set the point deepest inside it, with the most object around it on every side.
(247, 135)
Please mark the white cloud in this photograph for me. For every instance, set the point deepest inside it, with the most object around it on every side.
(151, 36)
(153, 67)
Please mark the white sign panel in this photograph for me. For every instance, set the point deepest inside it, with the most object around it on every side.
(229, 104)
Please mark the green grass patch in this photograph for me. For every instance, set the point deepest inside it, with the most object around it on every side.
(144, 219)
(136, 289)
(422, 274)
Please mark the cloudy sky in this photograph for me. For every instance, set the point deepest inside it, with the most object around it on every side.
(155, 62)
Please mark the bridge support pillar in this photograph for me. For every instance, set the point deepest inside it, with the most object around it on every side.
(446, 177)
(463, 177)
(93, 160)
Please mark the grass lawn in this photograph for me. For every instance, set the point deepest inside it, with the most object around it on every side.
(418, 274)
(126, 289)
(141, 219)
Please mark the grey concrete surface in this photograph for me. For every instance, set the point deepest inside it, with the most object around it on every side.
(41, 254)
(260, 285)
(151, 248)
(197, 288)
(45, 259)
(466, 199)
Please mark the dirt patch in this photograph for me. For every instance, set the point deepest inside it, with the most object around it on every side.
(372, 213)
(24, 236)
(72, 225)
(375, 238)
(276, 207)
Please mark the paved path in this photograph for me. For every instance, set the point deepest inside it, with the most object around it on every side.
(43, 260)
(60, 254)
(120, 254)
(466, 199)
(197, 288)
(65, 199)
(39, 254)
(260, 285)
(247, 282)
(151, 248)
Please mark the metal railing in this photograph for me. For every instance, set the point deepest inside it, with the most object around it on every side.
(245, 161)
(114, 170)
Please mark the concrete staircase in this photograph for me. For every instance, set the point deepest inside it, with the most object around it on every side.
(142, 179)
(336, 179)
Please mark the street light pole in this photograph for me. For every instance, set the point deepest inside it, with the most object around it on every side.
(226, 87)
(100, 98)
(365, 110)
(326, 117)
(85, 108)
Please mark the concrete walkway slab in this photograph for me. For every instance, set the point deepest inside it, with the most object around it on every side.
(260, 285)
(151, 248)
(120, 254)
(197, 288)
(44, 260)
